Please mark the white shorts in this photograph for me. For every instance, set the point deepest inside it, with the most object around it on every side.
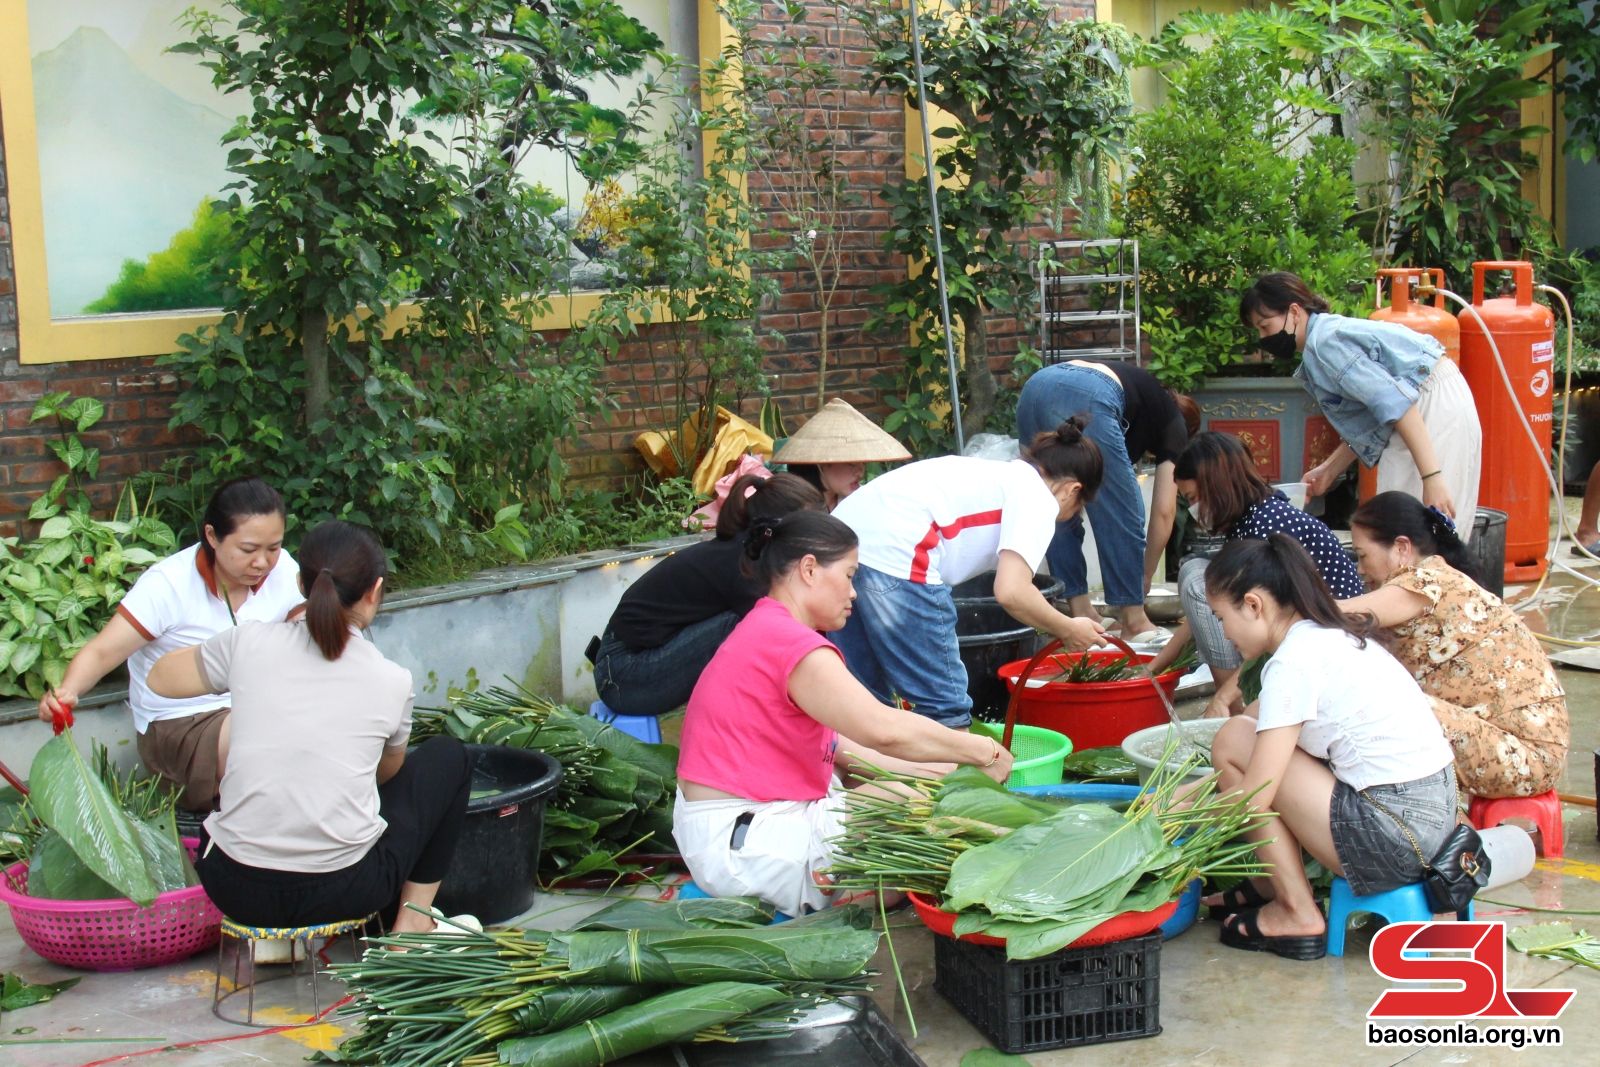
(786, 843)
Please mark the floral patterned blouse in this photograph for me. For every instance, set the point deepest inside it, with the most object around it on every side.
(1468, 649)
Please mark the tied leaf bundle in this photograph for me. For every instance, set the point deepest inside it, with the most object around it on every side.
(593, 995)
(1042, 873)
(616, 792)
(1108, 764)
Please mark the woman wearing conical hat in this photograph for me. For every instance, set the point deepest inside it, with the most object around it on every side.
(833, 449)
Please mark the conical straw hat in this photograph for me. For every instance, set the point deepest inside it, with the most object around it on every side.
(840, 434)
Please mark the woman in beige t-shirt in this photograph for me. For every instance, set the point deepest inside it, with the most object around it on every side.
(1493, 688)
(324, 815)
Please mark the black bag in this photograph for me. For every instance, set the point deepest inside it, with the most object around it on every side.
(1457, 871)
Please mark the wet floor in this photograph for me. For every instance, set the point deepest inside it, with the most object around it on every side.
(1217, 1005)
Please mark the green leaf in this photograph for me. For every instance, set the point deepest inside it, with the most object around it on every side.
(16, 994)
(71, 800)
(58, 527)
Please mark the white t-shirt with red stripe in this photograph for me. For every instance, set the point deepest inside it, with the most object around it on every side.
(176, 604)
(942, 521)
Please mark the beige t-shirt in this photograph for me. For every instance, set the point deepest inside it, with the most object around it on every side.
(300, 791)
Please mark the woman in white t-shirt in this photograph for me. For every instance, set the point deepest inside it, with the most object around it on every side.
(1342, 750)
(236, 572)
(325, 815)
(933, 524)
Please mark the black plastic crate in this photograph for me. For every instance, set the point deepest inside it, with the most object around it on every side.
(1079, 996)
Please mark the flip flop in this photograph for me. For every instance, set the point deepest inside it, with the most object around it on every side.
(1240, 897)
(1593, 549)
(1244, 932)
(1150, 640)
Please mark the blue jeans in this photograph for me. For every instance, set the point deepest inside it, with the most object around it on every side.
(900, 641)
(1053, 395)
(652, 681)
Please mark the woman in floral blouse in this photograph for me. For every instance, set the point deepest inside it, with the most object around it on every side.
(1492, 685)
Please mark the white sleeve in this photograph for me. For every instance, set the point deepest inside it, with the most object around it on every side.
(151, 605)
(1291, 687)
(1028, 518)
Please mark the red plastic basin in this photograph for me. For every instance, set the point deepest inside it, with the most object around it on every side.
(1117, 928)
(1092, 714)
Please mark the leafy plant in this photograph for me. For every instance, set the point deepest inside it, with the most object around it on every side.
(1037, 106)
(689, 268)
(1232, 176)
(59, 587)
(376, 167)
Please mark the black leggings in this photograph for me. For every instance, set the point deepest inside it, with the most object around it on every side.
(424, 804)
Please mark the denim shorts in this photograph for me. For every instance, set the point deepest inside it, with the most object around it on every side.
(1375, 853)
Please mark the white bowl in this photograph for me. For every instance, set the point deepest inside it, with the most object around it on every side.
(1295, 491)
(1153, 739)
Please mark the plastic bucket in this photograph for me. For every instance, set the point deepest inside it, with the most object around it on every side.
(1136, 745)
(496, 865)
(1488, 549)
(983, 655)
(1093, 714)
(1037, 753)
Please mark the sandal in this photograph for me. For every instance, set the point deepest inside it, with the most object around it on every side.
(1242, 896)
(1244, 932)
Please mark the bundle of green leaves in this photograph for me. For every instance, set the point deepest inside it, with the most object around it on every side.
(1557, 941)
(92, 835)
(1042, 872)
(616, 792)
(636, 975)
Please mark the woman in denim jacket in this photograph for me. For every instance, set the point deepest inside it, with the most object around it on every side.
(1385, 388)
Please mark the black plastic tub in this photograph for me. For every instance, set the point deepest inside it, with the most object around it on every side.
(1488, 549)
(496, 865)
(978, 612)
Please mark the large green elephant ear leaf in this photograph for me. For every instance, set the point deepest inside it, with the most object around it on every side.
(71, 799)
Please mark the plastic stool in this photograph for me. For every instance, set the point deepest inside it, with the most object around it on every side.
(1544, 811)
(247, 936)
(645, 727)
(1407, 904)
(690, 891)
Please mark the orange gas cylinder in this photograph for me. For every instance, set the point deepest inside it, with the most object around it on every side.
(1515, 474)
(1435, 321)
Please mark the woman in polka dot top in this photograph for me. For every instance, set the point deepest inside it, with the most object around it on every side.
(1217, 475)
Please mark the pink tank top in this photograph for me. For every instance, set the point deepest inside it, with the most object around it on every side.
(741, 733)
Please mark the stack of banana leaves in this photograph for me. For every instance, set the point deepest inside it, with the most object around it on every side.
(616, 792)
(635, 975)
(1041, 872)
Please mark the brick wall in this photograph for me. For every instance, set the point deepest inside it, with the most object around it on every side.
(138, 396)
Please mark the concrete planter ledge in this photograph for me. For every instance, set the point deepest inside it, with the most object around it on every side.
(530, 623)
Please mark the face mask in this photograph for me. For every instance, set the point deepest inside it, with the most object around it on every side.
(1280, 345)
(1194, 513)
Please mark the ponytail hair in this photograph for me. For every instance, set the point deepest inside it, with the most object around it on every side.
(757, 496)
(339, 563)
(1066, 452)
(232, 503)
(1273, 293)
(1390, 516)
(1282, 568)
(774, 545)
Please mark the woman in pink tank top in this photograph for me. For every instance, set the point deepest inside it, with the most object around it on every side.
(776, 718)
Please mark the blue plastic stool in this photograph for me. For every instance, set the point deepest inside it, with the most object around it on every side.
(1407, 904)
(645, 727)
(690, 891)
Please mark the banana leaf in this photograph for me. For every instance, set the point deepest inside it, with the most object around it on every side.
(965, 777)
(559, 1007)
(1030, 940)
(602, 811)
(614, 778)
(691, 957)
(165, 857)
(56, 873)
(72, 800)
(1109, 764)
(635, 913)
(659, 760)
(661, 1020)
(1047, 868)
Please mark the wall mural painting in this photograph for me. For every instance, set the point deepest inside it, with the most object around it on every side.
(132, 171)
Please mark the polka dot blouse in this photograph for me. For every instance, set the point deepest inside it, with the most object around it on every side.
(1276, 515)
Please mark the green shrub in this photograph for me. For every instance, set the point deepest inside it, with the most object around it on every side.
(1228, 183)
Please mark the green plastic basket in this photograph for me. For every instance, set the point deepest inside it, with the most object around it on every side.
(1038, 753)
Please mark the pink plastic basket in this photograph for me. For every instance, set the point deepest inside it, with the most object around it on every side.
(113, 935)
